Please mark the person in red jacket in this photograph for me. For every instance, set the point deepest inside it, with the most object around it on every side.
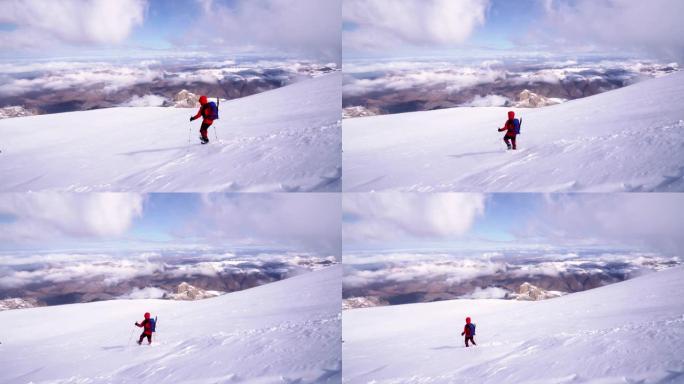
(511, 132)
(206, 114)
(146, 325)
(469, 332)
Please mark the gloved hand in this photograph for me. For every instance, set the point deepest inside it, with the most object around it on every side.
(462, 333)
(136, 323)
(192, 118)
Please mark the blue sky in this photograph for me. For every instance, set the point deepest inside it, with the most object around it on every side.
(513, 221)
(301, 29)
(506, 20)
(504, 28)
(44, 221)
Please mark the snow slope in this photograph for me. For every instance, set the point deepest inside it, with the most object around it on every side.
(630, 139)
(284, 332)
(287, 139)
(629, 332)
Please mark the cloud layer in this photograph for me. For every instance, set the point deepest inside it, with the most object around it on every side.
(403, 277)
(61, 86)
(59, 278)
(414, 85)
(382, 24)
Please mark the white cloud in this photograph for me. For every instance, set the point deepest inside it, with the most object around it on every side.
(486, 293)
(46, 215)
(487, 101)
(289, 26)
(145, 293)
(394, 23)
(309, 220)
(145, 101)
(643, 219)
(399, 215)
(646, 26)
(40, 23)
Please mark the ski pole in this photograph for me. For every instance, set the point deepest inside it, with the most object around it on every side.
(215, 134)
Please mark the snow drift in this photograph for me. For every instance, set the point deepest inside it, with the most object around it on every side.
(283, 332)
(629, 139)
(287, 139)
(628, 332)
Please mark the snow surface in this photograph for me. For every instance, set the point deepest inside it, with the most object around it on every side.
(628, 332)
(629, 139)
(287, 139)
(283, 332)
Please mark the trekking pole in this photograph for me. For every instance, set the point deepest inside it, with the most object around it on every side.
(130, 337)
(218, 102)
(187, 147)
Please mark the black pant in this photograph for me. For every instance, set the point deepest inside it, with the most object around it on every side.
(512, 139)
(143, 335)
(203, 130)
(471, 340)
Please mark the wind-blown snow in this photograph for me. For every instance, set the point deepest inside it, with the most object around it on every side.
(628, 332)
(287, 139)
(284, 332)
(630, 139)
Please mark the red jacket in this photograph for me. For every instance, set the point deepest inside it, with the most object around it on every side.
(205, 113)
(466, 330)
(145, 324)
(509, 128)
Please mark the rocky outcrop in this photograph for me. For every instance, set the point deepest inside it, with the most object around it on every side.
(18, 303)
(186, 291)
(186, 99)
(15, 111)
(529, 99)
(362, 302)
(529, 292)
(358, 111)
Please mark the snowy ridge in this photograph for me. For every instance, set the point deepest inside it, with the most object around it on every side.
(629, 139)
(284, 332)
(628, 332)
(287, 139)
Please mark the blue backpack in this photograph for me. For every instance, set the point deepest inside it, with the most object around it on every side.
(153, 324)
(471, 327)
(517, 124)
(213, 110)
